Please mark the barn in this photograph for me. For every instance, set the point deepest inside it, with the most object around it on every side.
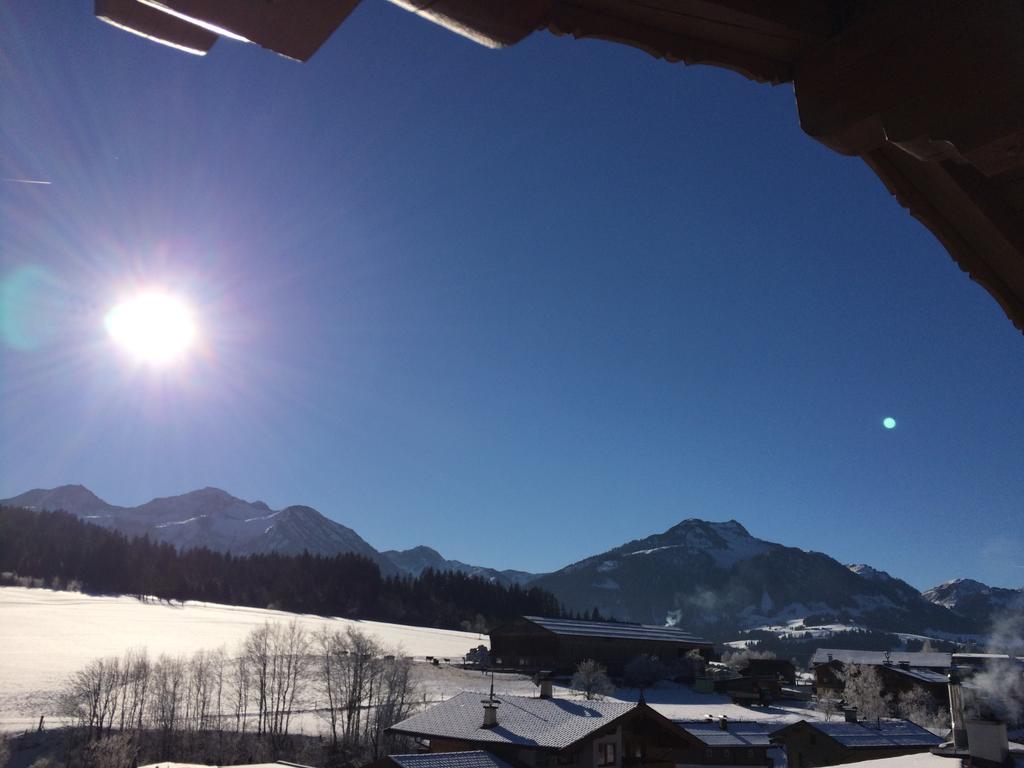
(536, 643)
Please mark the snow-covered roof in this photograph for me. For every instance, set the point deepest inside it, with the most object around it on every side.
(528, 722)
(878, 658)
(874, 734)
(923, 675)
(616, 630)
(736, 734)
(476, 758)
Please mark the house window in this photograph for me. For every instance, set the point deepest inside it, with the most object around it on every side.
(606, 753)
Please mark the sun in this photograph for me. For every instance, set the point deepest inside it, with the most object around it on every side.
(155, 328)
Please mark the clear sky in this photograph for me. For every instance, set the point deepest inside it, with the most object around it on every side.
(518, 305)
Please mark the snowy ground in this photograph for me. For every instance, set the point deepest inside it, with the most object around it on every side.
(797, 629)
(45, 636)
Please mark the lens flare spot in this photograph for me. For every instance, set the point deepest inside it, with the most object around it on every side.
(889, 422)
(155, 328)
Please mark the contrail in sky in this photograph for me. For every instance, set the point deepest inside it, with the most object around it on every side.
(27, 181)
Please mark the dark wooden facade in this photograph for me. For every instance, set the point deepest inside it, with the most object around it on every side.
(523, 644)
(808, 746)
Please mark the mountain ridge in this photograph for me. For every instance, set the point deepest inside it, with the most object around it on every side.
(702, 574)
(213, 518)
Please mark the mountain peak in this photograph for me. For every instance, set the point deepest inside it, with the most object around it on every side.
(76, 499)
(695, 523)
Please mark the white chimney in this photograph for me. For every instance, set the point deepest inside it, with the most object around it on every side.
(986, 740)
(546, 689)
(489, 712)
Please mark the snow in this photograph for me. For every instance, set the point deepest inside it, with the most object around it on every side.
(918, 760)
(656, 549)
(607, 584)
(46, 635)
(180, 522)
(681, 702)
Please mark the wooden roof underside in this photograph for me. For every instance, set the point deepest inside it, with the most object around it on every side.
(930, 93)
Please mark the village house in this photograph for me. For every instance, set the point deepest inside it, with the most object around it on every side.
(535, 643)
(549, 732)
(900, 673)
(729, 742)
(810, 744)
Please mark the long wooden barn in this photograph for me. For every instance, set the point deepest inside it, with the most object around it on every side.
(536, 643)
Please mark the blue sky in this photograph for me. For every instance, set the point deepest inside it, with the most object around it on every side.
(520, 306)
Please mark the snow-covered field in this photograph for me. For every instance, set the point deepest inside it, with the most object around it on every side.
(45, 636)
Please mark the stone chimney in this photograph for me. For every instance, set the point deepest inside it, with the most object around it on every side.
(546, 689)
(851, 714)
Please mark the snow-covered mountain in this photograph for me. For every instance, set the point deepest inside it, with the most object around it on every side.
(418, 559)
(709, 575)
(974, 600)
(211, 518)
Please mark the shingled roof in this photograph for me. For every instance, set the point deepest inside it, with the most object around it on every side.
(873, 734)
(619, 630)
(470, 759)
(736, 733)
(522, 721)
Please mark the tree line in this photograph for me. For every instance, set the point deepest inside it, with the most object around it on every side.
(58, 550)
(220, 706)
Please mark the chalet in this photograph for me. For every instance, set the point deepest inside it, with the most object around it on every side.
(813, 743)
(900, 670)
(533, 642)
(548, 732)
(726, 742)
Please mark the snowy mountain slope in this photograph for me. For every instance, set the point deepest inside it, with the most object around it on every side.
(418, 559)
(972, 599)
(710, 576)
(214, 519)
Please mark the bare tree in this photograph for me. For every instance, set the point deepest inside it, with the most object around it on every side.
(592, 679)
(257, 655)
(394, 696)
(239, 683)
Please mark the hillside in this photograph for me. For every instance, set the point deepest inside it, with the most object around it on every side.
(418, 559)
(716, 577)
(973, 600)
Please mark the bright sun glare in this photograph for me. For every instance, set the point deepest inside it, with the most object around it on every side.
(156, 328)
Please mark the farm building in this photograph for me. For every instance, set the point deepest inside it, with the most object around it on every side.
(534, 643)
(810, 744)
(725, 742)
(900, 673)
(543, 732)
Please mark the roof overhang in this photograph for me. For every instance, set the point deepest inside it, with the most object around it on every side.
(929, 93)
